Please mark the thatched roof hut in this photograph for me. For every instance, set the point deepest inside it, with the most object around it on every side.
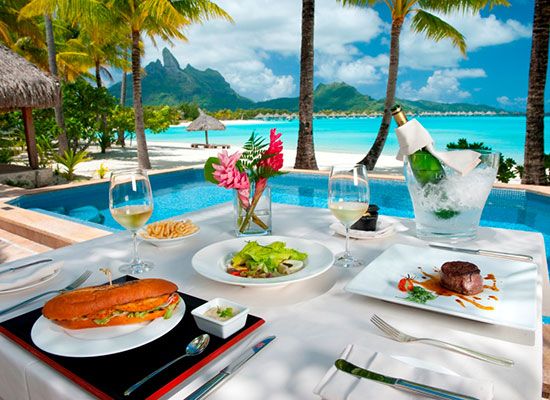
(205, 122)
(24, 86)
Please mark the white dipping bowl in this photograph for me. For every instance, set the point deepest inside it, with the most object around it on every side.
(222, 329)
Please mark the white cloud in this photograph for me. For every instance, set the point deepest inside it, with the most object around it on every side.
(515, 103)
(420, 53)
(363, 71)
(443, 85)
(241, 51)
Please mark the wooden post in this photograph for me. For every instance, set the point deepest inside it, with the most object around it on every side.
(30, 137)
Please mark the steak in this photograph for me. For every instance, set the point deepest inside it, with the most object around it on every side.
(461, 277)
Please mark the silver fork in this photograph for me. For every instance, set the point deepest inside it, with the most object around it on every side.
(399, 336)
(76, 283)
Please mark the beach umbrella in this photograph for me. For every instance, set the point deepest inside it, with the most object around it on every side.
(205, 123)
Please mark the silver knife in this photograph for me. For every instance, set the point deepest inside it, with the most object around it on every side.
(400, 384)
(25, 265)
(225, 373)
(491, 253)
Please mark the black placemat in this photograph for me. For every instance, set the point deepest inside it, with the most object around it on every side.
(107, 377)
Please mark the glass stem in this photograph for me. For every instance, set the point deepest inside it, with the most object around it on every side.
(135, 256)
(347, 253)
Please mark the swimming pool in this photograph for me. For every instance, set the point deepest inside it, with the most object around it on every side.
(184, 191)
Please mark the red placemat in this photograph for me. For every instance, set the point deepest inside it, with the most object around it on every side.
(107, 377)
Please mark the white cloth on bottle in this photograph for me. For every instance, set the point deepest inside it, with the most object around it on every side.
(412, 136)
(339, 385)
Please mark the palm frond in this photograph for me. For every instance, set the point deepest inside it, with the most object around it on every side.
(359, 3)
(448, 6)
(436, 29)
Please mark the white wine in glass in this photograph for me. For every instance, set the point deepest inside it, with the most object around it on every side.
(131, 205)
(348, 200)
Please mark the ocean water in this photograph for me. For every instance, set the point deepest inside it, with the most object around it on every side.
(355, 135)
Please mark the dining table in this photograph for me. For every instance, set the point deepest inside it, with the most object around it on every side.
(313, 320)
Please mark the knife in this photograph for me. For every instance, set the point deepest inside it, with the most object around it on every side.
(225, 373)
(26, 265)
(400, 384)
(491, 253)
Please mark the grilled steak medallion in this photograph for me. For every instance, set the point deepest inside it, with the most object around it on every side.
(461, 277)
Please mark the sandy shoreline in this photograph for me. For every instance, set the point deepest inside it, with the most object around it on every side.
(165, 155)
(234, 122)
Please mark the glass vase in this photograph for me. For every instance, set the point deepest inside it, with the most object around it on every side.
(254, 218)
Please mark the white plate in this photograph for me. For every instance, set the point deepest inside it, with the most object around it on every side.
(165, 242)
(384, 227)
(94, 342)
(517, 298)
(32, 284)
(210, 262)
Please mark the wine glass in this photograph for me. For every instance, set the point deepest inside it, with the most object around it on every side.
(131, 205)
(348, 200)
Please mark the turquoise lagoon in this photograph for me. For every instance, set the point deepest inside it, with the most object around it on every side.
(355, 135)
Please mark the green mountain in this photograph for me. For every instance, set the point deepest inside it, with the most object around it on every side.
(167, 83)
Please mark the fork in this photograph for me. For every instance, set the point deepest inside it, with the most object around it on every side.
(76, 283)
(399, 336)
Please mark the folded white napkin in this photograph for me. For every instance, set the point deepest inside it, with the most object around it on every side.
(27, 276)
(412, 136)
(339, 385)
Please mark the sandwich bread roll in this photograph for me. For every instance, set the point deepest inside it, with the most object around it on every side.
(118, 304)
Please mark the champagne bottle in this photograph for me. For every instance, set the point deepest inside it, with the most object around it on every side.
(424, 166)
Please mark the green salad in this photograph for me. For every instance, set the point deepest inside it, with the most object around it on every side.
(257, 261)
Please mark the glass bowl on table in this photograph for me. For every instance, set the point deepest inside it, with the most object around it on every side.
(131, 205)
(348, 200)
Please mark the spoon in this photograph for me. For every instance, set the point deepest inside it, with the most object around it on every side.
(194, 348)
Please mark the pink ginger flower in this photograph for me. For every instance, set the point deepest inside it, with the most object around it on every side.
(275, 149)
(229, 177)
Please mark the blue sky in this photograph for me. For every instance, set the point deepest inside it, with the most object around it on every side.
(259, 54)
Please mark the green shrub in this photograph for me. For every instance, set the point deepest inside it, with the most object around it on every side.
(70, 160)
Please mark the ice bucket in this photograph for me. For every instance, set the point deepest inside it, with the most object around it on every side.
(448, 206)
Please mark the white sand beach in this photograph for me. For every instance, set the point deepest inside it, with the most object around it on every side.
(234, 122)
(166, 155)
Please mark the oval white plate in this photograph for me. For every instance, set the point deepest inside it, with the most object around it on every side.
(210, 261)
(34, 283)
(165, 242)
(385, 227)
(94, 342)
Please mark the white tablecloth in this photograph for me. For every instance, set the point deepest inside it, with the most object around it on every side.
(313, 320)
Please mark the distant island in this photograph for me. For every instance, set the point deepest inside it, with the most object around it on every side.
(167, 83)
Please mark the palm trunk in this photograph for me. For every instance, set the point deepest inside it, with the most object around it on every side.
(142, 152)
(534, 172)
(52, 62)
(120, 134)
(305, 152)
(374, 153)
(104, 139)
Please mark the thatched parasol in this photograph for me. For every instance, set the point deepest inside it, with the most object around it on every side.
(24, 86)
(205, 122)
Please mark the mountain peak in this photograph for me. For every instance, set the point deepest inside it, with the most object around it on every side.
(169, 60)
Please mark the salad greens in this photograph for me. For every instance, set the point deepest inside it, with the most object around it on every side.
(419, 295)
(255, 260)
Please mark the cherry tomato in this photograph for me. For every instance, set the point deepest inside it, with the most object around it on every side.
(406, 284)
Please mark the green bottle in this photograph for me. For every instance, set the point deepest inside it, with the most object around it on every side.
(424, 166)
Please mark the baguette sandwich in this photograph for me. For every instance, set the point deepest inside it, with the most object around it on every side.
(119, 304)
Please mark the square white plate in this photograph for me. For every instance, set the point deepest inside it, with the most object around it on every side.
(517, 282)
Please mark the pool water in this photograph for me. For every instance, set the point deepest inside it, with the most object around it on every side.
(184, 191)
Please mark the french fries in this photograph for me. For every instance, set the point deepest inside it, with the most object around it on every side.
(170, 229)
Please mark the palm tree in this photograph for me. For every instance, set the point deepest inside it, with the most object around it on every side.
(423, 21)
(165, 19)
(305, 152)
(534, 170)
